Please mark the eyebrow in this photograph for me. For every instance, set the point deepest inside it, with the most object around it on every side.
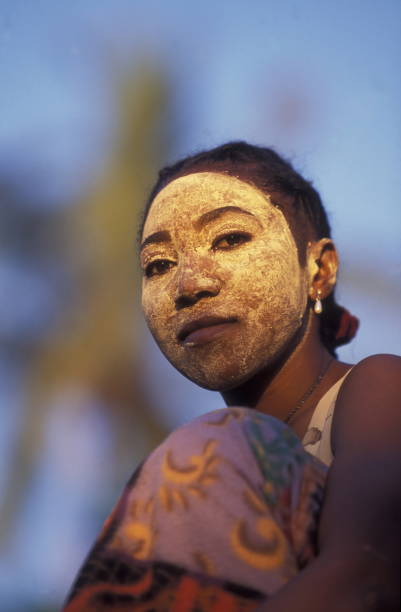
(208, 217)
(162, 236)
(211, 215)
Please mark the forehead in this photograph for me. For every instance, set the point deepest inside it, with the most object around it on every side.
(190, 196)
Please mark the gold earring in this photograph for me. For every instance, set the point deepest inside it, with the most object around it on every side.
(318, 303)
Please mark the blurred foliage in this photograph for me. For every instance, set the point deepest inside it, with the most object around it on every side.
(91, 342)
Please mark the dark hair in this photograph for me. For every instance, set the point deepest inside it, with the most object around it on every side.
(288, 190)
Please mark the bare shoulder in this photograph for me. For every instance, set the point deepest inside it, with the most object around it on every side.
(369, 404)
(383, 364)
(360, 517)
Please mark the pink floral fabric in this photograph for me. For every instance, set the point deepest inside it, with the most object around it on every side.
(219, 517)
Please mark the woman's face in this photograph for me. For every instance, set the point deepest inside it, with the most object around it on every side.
(223, 292)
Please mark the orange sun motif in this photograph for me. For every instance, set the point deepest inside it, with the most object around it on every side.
(192, 477)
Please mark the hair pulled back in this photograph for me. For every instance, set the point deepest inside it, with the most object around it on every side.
(301, 204)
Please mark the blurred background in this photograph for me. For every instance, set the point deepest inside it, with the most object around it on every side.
(95, 97)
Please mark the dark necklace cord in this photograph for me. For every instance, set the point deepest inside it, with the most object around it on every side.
(308, 393)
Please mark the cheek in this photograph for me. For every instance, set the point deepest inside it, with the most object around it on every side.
(155, 309)
(275, 289)
(270, 270)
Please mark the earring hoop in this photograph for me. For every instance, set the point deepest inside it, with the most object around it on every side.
(318, 303)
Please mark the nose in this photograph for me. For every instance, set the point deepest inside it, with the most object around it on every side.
(195, 281)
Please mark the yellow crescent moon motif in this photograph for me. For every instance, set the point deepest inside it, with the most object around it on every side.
(265, 556)
(190, 472)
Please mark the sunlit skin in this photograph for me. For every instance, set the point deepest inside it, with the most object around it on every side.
(240, 265)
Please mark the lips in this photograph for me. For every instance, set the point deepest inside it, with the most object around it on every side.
(202, 323)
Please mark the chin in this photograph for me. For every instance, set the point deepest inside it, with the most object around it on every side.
(215, 380)
(225, 366)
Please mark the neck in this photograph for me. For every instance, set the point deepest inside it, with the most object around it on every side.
(279, 387)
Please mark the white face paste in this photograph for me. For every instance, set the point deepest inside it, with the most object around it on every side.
(257, 280)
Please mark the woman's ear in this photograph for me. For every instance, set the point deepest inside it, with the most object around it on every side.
(322, 266)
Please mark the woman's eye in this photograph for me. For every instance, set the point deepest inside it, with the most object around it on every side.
(158, 267)
(230, 241)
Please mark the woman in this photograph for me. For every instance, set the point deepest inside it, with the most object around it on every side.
(232, 512)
